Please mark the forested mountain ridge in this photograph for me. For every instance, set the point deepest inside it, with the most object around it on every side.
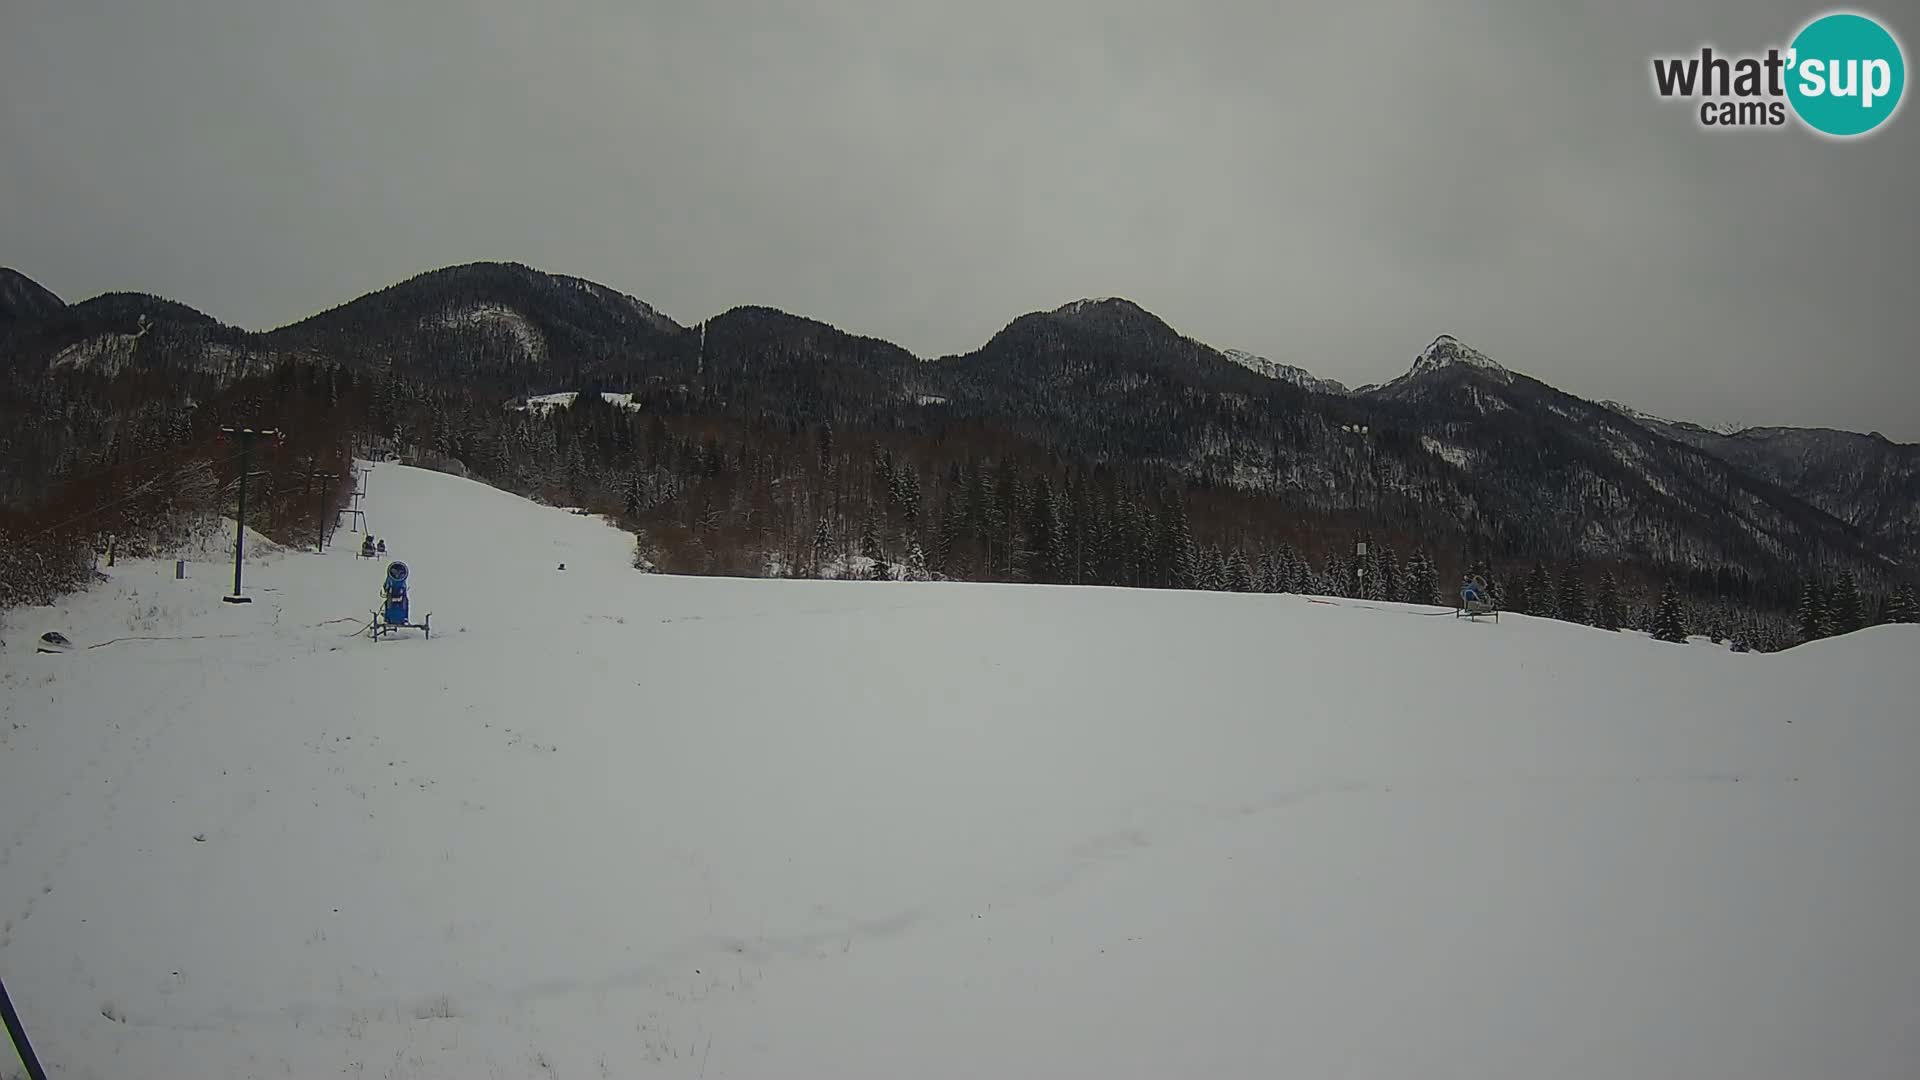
(23, 299)
(499, 326)
(1865, 480)
(743, 432)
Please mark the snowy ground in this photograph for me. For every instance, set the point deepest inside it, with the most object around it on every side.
(608, 824)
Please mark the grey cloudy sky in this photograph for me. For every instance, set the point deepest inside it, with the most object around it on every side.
(1328, 185)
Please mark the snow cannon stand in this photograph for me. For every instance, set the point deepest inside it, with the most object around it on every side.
(392, 614)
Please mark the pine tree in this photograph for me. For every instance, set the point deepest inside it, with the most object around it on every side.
(870, 547)
(1042, 556)
(1812, 614)
(1267, 578)
(1126, 543)
(822, 543)
(1187, 561)
(1293, 571)
(1338, 575)
(1239, 574)
(1900, 606)
(1423, 580)
(1669, 624)
(1080, 551)
(1176, 563)
(1607, 613)
(1843, 609)
(999, 507)
(947, 535)
(1384, 578)
(1573, 593)
(1540, 599)
(630, 499)
(1522, 599)
(1213, 572)
(905, 491)
(916, 561)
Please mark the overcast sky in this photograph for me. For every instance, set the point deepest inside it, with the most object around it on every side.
(1331, 186)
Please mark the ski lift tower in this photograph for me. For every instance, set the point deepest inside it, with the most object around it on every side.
(246, 437)
(1363, 434)
(356, 515)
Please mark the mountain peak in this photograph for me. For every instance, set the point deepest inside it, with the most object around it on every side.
(1111, 313)
(1117, 317)
(1447, 351)
(1106, 305)
(23, 298)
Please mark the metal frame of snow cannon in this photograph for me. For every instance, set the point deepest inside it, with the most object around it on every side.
(1477, 609)
(380, 627)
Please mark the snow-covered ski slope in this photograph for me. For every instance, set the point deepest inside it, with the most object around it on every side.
(610, 824)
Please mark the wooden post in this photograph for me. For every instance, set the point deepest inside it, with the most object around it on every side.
(19, 1034)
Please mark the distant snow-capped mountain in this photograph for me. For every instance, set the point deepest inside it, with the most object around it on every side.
(1286, 373)
(1447, 366)
(1447, 351)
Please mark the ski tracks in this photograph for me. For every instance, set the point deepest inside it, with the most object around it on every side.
(728, 965)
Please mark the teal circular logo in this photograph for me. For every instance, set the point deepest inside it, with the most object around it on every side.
(1846, 74)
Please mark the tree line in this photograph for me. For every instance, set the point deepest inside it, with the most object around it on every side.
(134, 457)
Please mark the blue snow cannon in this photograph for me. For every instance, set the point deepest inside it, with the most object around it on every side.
(394, 590)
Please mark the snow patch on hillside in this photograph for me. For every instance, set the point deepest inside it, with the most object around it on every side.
(498, 318)
(220, 357)
(1458, 456)
(1485, 402)
(1286, 373)
(545, 403)
(1078, 307)
(105, 354)
(1635, 457)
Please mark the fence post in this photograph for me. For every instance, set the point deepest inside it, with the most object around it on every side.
(19, 1034)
